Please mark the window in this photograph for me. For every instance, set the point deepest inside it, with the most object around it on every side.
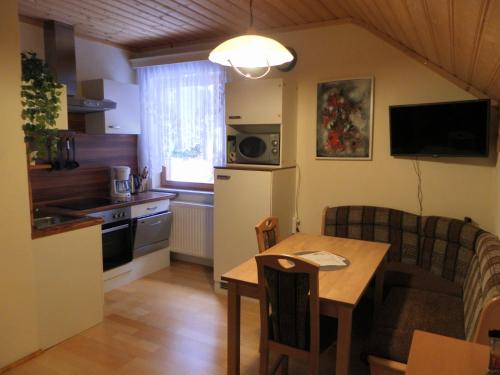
(182, 124)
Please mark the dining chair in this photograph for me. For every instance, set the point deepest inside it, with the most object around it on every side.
(290, 321)
(268, 233)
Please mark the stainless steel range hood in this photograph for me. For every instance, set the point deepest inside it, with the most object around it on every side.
(60, 57)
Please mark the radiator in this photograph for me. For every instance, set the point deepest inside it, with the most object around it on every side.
(192, 229)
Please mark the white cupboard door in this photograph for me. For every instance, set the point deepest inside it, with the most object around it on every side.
(242, 199)
(254, 102)
(125, 118)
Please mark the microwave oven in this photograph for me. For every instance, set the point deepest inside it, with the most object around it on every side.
(257, 149)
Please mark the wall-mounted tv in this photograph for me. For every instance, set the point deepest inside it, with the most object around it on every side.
(440, 129)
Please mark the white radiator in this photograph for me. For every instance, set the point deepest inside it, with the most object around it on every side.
(192, 229)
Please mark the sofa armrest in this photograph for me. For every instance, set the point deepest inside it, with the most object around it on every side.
(488, 320)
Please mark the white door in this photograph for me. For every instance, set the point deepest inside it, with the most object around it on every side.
(242, 199)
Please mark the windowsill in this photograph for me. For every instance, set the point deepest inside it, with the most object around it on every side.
(185, 191)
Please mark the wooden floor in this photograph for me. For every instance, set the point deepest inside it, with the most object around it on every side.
(171, 322)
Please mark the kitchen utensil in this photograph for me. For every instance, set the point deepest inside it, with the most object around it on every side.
(58, 164)
(67, 163)
(73, 161)
(70, 162)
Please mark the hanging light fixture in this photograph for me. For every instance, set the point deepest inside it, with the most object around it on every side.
(250, 51)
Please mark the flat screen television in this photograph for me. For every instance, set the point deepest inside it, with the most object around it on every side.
(440, 129)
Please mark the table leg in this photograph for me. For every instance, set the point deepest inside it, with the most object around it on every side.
(343, 340)
(379, 286)
(233, 329)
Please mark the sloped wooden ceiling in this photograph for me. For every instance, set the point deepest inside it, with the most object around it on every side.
(460, 36)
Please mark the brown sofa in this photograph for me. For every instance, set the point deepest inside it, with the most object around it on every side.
(442, 276)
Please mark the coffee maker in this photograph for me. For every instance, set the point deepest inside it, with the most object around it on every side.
(120, 182)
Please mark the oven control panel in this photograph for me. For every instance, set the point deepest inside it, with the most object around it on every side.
(111, 216)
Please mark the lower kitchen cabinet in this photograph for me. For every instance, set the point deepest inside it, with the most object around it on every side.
(69, 286)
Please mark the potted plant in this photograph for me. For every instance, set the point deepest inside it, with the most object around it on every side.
(40, 97)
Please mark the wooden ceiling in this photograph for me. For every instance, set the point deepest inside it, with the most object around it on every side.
(460, 37)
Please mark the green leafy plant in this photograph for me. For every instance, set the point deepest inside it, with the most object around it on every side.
(40, 97)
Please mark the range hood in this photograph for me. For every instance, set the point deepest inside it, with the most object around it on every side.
(60, 56)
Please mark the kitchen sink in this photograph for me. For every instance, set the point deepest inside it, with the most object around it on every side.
(48, 221)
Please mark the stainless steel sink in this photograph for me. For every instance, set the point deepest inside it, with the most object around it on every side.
(48, 221)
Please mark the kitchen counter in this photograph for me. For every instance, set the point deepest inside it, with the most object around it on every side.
(81, 220)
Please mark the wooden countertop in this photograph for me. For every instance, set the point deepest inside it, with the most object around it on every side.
(77, 223)
(81, 220)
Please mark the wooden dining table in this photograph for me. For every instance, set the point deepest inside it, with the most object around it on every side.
(339, 290)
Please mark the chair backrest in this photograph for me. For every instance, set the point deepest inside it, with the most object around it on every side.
(268, 233)
(289, 301)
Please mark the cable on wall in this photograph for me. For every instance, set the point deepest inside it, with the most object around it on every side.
(420, 194)
(297, 192)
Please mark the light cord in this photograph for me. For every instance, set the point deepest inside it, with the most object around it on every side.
(251, 13)
(420, 194)
(297, 193)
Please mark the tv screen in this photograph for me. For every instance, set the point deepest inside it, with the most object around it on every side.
(440, 129)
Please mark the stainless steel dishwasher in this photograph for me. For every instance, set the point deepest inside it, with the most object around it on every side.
(151, 233)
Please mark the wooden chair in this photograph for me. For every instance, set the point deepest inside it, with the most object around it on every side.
(289, 312)
(268, 233)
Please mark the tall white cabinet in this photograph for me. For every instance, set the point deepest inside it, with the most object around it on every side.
(243, 197)
(264, 106)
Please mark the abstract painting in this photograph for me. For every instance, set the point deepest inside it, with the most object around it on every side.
(344, 119)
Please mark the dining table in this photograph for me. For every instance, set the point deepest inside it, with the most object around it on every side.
(340, 288)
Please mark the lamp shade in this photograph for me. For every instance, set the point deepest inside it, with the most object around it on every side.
(250, 51)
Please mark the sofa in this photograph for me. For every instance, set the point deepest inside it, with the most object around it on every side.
(442, 275)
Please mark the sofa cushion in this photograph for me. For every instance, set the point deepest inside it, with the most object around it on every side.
(447, 247)
(405, 310)
(398, 228)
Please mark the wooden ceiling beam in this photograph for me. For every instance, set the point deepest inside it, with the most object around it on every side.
(423, 60)
(478, 38)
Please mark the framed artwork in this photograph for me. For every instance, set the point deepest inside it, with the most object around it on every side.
(344, 125)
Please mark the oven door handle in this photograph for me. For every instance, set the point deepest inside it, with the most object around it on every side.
(114, 229)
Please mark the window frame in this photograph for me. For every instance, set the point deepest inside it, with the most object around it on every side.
(164, 183)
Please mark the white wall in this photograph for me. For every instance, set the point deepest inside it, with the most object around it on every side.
(452, 187)
(18, 310)
(93, 59)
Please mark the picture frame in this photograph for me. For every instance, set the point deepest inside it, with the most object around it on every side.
(344, 119)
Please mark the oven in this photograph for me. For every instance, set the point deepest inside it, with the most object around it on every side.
(117, 237)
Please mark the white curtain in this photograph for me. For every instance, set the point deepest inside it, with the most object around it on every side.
(182, 112)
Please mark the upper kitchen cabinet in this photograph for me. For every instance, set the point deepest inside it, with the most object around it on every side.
(267, 106)
(125, 119)
(254, 102)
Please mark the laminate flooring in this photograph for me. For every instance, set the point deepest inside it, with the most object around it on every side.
(170, 322)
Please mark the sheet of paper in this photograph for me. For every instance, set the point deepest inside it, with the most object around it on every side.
(324, 258)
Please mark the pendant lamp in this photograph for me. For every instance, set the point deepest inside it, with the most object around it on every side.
(250, 51)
